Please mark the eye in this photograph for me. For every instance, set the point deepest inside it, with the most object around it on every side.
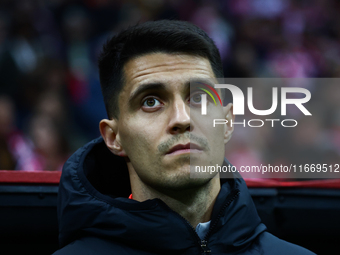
(197, 98)
(151, 102)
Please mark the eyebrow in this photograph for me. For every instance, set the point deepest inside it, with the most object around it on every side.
(204, 81)
(161, 86)
(145, 87)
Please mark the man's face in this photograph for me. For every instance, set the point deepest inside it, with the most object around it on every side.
(154, 126)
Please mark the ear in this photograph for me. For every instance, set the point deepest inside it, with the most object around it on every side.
(230, 117)
(109, 131)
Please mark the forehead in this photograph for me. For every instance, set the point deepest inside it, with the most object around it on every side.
(165, 68)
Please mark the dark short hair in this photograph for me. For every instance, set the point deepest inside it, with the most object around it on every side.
(165, 36)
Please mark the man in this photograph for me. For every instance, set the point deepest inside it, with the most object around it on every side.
(147, 145)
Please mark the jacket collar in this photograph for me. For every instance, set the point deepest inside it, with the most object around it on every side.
(93, 200)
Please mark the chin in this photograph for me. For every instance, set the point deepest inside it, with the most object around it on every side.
(183, 180)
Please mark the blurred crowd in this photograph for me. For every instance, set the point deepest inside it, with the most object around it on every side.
(50, 98)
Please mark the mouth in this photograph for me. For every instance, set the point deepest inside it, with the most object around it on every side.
(184, 148)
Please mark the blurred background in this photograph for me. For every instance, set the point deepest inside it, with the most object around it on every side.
(50, 98)
(51, 102)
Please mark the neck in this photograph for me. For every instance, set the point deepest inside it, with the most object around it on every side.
(194, 204)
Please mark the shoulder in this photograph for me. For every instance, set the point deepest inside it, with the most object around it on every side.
(270, 244)
(95, 246)
(88, 246)
(79, 246)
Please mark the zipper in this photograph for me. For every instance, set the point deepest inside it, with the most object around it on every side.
(233, 196)
(187, 223)
(200, 242)
(203, 244)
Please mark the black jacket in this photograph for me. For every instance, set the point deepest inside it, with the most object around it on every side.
(96, 216)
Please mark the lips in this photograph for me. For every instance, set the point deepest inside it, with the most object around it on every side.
(184, 148)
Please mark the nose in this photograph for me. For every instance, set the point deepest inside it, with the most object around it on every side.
(180, 117)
